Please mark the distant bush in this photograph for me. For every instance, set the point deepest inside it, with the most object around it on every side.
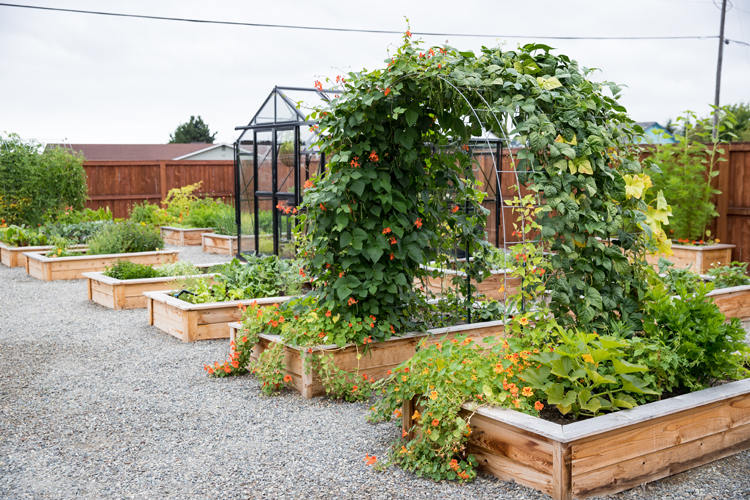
(125, 237)
(35, 181)
(150, 214)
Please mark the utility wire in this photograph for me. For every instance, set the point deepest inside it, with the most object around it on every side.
(353, 30)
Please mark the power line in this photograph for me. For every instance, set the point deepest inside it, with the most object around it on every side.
(354, 30)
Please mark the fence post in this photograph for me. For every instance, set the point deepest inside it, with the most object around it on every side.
(163, 179)
(723, 199)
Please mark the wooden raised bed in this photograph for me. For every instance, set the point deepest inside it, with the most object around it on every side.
(183, 236)
(382, 356)
(490, 287)
(190, 322)
(699, 258)
(734, 301)
(226, 245)
(72, 268)
(614, 452)
(14, 256)
(128, 294)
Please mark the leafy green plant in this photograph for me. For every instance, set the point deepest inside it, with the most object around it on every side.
(35, 180)
(208, 212)
(68, 215)
(588, 374)
(125, 237)
(22, 237)
(271, 370)
(126, 270)
(735, 274)
(688, 166)
(709, 347)
(339, 384)
(79, 232)
(179, 200)
(150, 214)
(259, 277)
(179, 268)
(676, 278)
(61, 248)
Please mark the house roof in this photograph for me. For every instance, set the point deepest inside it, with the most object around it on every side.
(647, 125)
(136, 151)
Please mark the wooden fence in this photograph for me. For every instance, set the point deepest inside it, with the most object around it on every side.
(121, 184)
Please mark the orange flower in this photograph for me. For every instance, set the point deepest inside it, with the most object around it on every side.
(514, 390)
(408, 33)
(392, 256)
(210, 370)
(538, 406)
(524, 321)
(386, 230)
(287, 378)
(318, 85)
(322, 207)
(275, 323)
(404, 433)
(301, 273)
(369, 460)
(236, 364)
(516, 403)
(322, 334)
(372, 325)
(386, 92)
(433, 395)
(308, 184)
(527, 392)
(227, 369)
(393, 240)
(328, 314)
(454, 464)
(435, 422)
(397, 413)
(416, 415)
(373, 156)
(418, 223)
(388, 372)
(455, 209)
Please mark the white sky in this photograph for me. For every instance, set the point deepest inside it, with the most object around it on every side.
(94, 79)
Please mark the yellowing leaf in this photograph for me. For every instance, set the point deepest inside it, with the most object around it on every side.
(634, 186)
(572, 142)
(584, 166)
(548, 83)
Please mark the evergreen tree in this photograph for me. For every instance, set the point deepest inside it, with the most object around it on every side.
(193, 131)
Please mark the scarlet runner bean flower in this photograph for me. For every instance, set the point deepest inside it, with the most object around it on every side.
(418, 223)
(455, 209)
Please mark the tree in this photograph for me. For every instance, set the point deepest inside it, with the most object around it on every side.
(193, 131)
(741, 113)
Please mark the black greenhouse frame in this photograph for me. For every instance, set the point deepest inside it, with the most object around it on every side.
(273, 157)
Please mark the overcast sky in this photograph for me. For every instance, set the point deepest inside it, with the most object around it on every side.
(94, 79)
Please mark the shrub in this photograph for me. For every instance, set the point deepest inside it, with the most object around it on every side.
(125, 237)
(208, 213)
(179, 200)
(35, 181)
(150, 214)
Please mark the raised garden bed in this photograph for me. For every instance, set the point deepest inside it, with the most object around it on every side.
(128, 294)
(39, 266)
(14, 256)
(613, 452)
(190, 322)
(699, 258)
(733, 302)
(491, 287)
(225, 245)
(183, 236)
(382, 356)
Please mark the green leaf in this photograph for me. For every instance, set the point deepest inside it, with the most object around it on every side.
(374, 253)
(411, 117)
(345, 239)
(626, 367)
(342, 221)
(634, 384)
(343, 292)
(358, 187)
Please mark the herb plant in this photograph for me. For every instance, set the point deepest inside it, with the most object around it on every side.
(125, 237)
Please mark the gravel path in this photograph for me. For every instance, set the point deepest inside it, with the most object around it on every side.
(94, 403)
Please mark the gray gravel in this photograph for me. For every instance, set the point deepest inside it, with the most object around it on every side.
(94, 403)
